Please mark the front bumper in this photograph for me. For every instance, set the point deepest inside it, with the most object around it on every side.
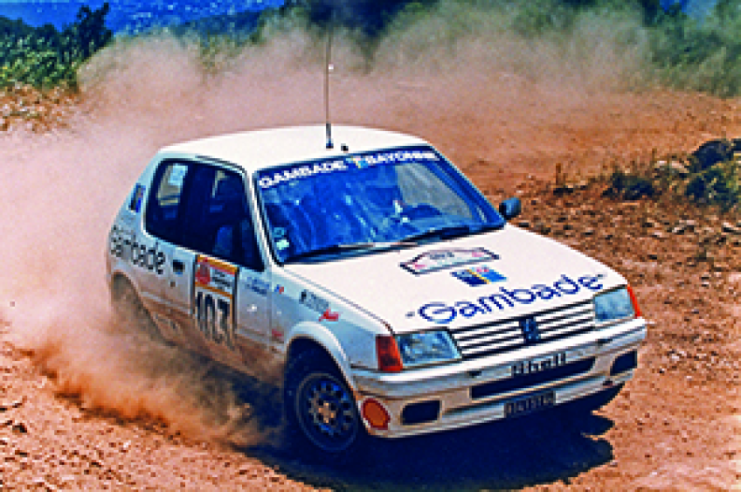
(469, 392)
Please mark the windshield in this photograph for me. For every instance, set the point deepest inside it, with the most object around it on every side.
(368, 201)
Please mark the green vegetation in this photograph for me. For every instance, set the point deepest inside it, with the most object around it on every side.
(702, 55)
(44, 57)
(708, 176)
(637, 38)
(674, 50)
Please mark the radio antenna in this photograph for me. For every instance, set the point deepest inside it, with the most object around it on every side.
(328, 68)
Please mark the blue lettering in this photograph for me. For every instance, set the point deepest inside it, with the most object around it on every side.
(522, 296)
(494, 299)
(437, 312)
(469, 309)
(590, 282)
(566, 285)
(545, 292)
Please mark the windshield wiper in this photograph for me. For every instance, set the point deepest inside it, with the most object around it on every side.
(441, 233)
(450, 232)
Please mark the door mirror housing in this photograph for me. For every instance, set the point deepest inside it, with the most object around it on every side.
(510, 208)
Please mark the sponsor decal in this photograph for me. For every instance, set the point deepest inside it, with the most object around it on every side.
(329, 315)
(433, 261)
(318, 304)
(215, 275)
(125, 245)
(136, 198)
(523, 368)
(256, 284)
(505, 298)
(479, 275)
(392, 157)
(271, 178)
(300, 171)
(203, 274)
(213, 300)
(277, 334)
(313, 302)
(358, 162)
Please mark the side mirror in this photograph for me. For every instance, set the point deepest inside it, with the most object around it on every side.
(510, 208)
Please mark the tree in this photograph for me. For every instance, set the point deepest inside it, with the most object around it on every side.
(368, 16)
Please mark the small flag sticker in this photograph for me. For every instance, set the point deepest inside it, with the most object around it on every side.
(480, 275)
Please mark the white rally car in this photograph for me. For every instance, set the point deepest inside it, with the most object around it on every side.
(372, 280)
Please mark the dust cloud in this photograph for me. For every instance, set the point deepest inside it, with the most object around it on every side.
(461, 78)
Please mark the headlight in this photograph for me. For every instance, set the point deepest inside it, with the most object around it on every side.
(614, 305)
(426, 348)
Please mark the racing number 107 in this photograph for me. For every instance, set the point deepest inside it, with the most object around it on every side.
(213, 317)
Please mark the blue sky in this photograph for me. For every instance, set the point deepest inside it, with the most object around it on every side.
(62, 12)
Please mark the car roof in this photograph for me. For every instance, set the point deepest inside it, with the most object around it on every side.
(259, 149)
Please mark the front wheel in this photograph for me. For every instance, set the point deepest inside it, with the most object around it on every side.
(320, 408)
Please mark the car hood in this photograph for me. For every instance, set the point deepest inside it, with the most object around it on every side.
(473, 280)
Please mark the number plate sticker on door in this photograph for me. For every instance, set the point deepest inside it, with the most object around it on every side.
(529, 404)
(213, 306)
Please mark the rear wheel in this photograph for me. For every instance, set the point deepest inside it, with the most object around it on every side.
(322, 413)
(130, 311)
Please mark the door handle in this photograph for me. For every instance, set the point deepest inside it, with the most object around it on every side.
(178, 266)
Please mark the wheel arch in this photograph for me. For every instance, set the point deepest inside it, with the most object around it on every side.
(118, 281)
(310, 336)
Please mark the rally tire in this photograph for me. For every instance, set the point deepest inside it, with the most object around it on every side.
(129, 311)
(322, 416)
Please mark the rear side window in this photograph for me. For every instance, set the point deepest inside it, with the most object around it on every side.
(164, 205)
(137, 195)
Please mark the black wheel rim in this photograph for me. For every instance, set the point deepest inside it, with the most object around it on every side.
(326, 412)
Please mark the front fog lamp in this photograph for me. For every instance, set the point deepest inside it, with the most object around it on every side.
(424, 348)
(614, 305)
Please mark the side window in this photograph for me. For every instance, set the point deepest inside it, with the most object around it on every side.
(234, 237)
(203, 208)
(164, 206)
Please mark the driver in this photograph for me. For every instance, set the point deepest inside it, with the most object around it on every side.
(380, 190)
(379, 199)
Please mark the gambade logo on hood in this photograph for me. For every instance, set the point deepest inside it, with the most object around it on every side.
(504, 298)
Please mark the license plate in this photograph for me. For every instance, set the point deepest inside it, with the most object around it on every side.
(529, 404)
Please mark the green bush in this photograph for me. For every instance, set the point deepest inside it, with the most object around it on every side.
(46, 58)
(629, 186)
(717, 185)
(664, 46)
(682, 52)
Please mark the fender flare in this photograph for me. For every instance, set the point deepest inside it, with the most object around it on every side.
(319, 335)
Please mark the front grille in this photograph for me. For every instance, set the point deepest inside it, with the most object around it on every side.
(506, 335)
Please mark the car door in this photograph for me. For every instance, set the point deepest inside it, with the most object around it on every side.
(162, 219)
(219, 286)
